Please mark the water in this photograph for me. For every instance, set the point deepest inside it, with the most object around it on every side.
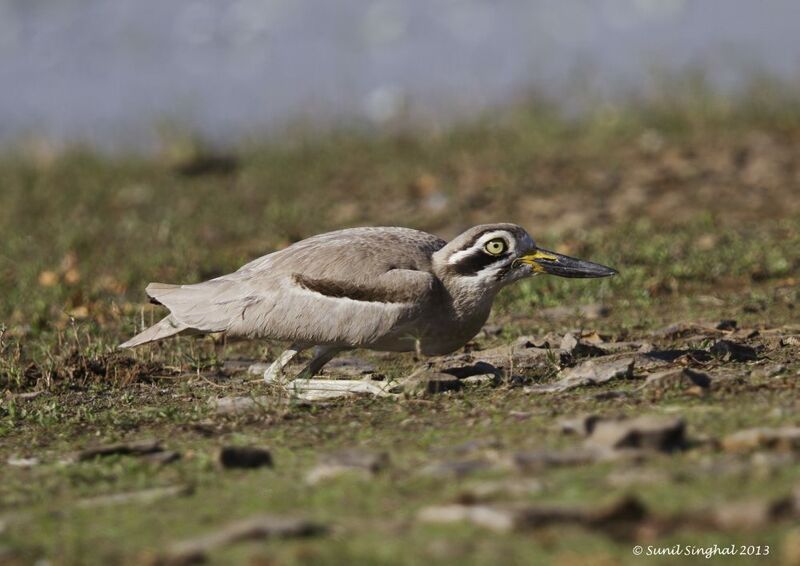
(109, 72)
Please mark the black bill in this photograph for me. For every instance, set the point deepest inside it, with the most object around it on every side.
(544, 261)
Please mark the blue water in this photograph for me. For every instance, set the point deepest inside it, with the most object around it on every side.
(109, 72)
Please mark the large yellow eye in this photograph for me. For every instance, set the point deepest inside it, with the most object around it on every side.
(496, 246)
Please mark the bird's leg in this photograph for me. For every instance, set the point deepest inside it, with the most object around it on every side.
(274, 372)
(322, 355)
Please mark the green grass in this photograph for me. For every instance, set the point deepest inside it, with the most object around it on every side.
(694, 198)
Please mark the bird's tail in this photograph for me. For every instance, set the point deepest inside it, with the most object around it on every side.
(166, 327)
(191, 312)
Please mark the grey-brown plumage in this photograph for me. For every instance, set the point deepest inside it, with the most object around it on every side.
(392, 289)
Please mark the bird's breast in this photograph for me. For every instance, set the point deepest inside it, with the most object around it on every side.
(450, 330)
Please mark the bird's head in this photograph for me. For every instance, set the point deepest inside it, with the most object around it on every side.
(491, 256)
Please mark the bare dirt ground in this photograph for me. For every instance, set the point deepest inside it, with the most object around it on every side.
(657, 409)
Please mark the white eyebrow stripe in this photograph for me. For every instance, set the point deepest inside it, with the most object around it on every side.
(480, 242)
(488, 273)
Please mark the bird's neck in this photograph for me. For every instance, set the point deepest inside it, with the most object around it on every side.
(469, 297)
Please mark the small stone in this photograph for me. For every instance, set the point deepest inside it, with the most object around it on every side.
(427, 383)
(504, 358)
(492, 330)
(678, 379)
(136, 448)
(476, 369)
(362, 463)
(616, 518)
(726, 325)
(751, 515)
(239, 405)
(22, 462)
(591, 372)
(647, 433)
(244, 457)
(487, 379)
(733, 351)
(480, 373)
(580, 346)
(784, 439)
(194, 551)
(494, 518)
(569, 342)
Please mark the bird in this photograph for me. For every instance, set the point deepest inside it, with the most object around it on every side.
(380, 288)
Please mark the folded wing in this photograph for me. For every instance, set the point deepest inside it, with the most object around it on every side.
(356, 287)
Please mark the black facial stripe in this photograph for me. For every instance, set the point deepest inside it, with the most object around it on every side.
(472, 264)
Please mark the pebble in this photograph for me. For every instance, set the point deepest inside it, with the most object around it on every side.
(591, 372)
(780, 439)
(677, 379)
(647, 433)
(134, 448)
(427, 383)
(363, 463)
(244, 457)
(196, 550)
(617, 517)
(733, 351)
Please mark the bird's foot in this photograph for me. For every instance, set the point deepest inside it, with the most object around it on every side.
(275, 372)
